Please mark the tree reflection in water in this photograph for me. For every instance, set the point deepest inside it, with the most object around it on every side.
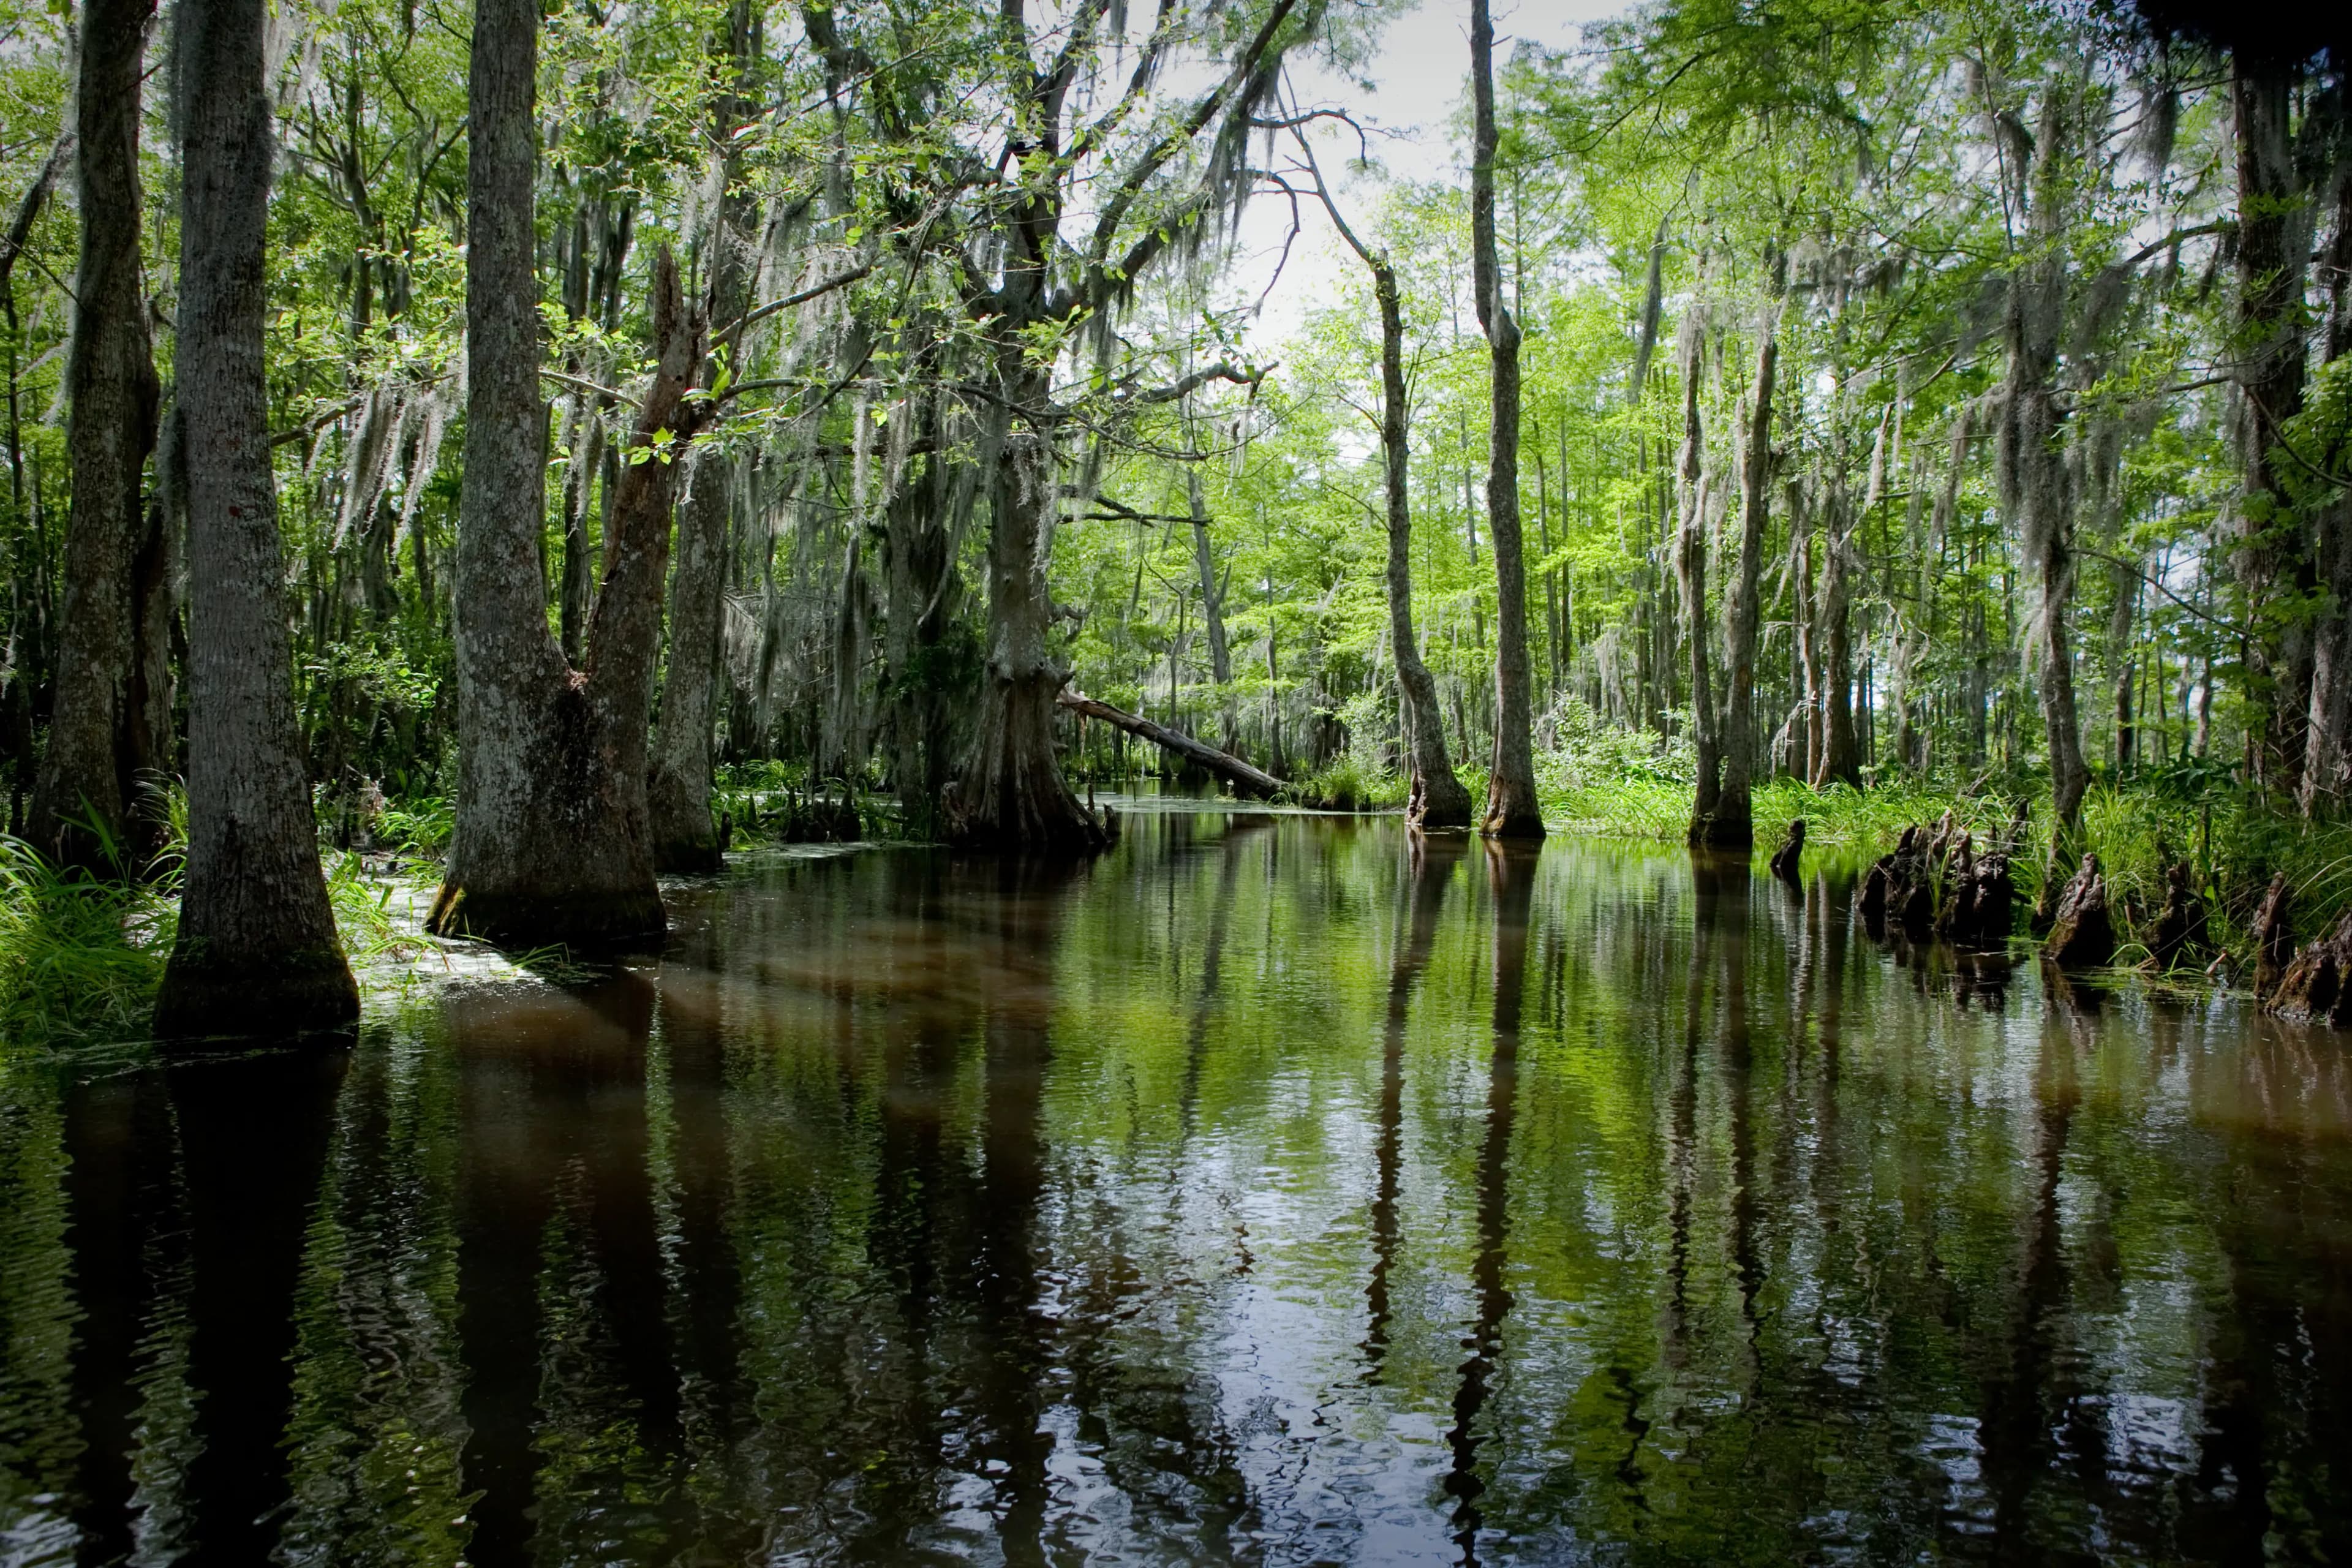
(1270, 1191)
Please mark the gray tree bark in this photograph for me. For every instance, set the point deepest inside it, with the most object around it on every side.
(1840, 760)
(112, 706)
(553, 841)
(686, 838)
(922, 593)
(1013, 795)
(1434, 796)
(2035, 480)
(1213, 608)
(2273, 250)
(1733, 823)
(1512, 811)
(2327, 782)
(1690, 578)
(256, 948)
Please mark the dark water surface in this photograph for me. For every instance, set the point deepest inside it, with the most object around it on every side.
(1264, 1193)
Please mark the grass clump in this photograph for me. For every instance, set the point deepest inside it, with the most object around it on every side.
(1592, 777)
(79, 958)
(1347, 784)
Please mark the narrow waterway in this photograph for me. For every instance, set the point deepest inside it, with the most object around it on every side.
(1270, 1191)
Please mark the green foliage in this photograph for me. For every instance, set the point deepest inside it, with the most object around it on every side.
(2233, 840)
(1348, 785)
(418, 825)
(79, 958)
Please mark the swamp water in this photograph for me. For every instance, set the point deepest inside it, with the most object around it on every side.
(1263, 1192)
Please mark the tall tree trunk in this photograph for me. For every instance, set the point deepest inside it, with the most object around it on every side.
(1512, 811)
(112, 705)
(551, 841)
(922, 595)
(1733, 823)
(685, 836)
(1013, 795)
(1805, 612)
(573, 588)
(1213, 610)
(2274, 244)
(1690, 578)
(2034, 476)
(2327, 782)
(2123, 670)
(25, 664)
(1436, 798)
(1840, 752)
(256, 943)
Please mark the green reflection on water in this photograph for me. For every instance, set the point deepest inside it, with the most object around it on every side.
(1268, 1192)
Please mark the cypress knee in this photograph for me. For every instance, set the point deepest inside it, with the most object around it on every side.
(2313, 989)
(2082, 935)
(1785, 859)
(2274, 936)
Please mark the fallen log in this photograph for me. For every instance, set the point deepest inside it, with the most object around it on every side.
(1246, 780)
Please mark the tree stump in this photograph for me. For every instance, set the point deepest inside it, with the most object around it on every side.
(1980, 897)
(2178, 933)
(2273, 937)
(1900, 887)
(2082, 932)
(1870, 898)
(1792, 849)
(2313, 989)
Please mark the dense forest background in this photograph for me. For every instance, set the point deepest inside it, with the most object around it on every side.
(1917, 406)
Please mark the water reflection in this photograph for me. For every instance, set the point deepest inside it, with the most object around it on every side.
(1276, 1190)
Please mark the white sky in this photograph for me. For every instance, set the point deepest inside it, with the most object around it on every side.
(1420, 73)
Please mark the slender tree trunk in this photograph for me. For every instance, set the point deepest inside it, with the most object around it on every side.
(1690, 576)
(684, 835)
(2122, 669)
(1213, 610)
(574, 587)
(2326, 780)
(922, 598)
(553, 839)
(1733, 823)
(1435, 796)
(1512, 811)
(1806, 613)
(1551, 577)
(256, 943)
(2034, 481)
(1841, 754)
(2274, 246)
(25, 665)
(112, 704)
(1013, 795)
